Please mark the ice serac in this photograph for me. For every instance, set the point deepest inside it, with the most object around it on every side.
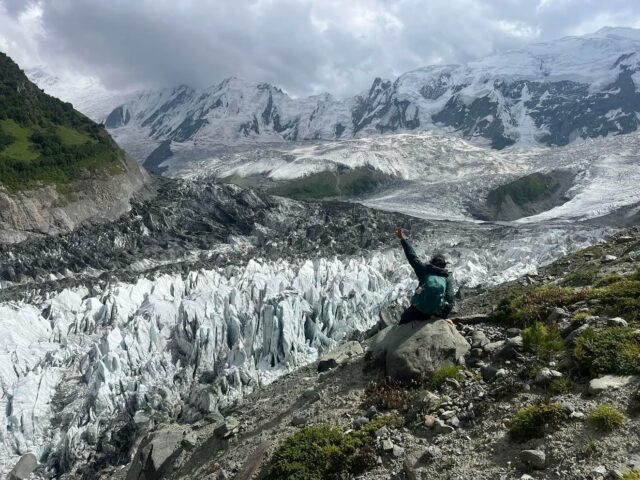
(546, 93)
(173, 346)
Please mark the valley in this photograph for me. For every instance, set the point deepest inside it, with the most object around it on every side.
(196, 253)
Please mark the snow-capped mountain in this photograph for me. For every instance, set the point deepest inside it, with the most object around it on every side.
(87, 94)
(549, 93)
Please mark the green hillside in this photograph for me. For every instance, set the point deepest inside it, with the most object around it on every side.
(44, 140)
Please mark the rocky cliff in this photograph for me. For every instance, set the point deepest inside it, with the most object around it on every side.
(57, 167)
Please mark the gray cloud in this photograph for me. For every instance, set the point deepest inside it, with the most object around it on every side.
(304, 46)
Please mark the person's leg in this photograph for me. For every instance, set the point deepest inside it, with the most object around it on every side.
(411, 314)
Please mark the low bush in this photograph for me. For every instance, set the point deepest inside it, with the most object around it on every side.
(619, 299)
(606, 417)
(608, 280)
(582, 277)
(390, 394)
(534, 305)
(560, 386)
(448, 370)
(614, 350)
(532, 421)
(543, 340)
(324, 452)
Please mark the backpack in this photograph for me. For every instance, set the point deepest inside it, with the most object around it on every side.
(429, 297)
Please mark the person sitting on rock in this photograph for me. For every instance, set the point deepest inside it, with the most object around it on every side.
(434, 296)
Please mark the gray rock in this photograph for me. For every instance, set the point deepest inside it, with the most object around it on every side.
(617, 322)
(409, 468)
(382, 432)
(624, 239)
(513, 332)
(415, 350)
(360, 421)
(557, 315)
(488, 372)
(546, 376)
(340, 355)
(156, 454)
(25, 466)
(610, 382)
(311, 394)
(479, 339)
(535, 458)
(228, 428)
(442, 428)
(570, 339)
(494, 347)
(387, 445)
(608, 258)
(298, 420)
(397, 451)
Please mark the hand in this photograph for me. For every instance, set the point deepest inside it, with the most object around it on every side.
(400, 233)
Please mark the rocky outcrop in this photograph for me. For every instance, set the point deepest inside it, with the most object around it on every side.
(157, 452)
(525, 196)
(50, 210)
(415, 350)
(25, 466)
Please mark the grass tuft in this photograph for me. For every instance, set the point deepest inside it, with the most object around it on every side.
(543, 340)
(531, 421)
(606, 418)
(448, 370)
(560, 386)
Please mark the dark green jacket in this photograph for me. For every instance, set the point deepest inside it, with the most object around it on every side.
(423, 269)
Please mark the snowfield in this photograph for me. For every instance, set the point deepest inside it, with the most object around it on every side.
(442, 174)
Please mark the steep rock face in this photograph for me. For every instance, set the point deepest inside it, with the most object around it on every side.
(57, 167)
(550, 93)
(50, 210)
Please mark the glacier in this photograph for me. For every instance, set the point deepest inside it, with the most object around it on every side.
(181, 346)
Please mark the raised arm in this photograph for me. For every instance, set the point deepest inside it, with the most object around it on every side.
(410, 253)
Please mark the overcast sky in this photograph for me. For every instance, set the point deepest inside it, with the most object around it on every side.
(303, 46)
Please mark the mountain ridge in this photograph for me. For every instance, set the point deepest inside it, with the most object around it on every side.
(548, 93)
(57, 167)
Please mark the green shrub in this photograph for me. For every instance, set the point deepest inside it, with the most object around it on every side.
(324, 452)
(606, 417)
(560, 386)
(631, 475)
(614, 350)
(544, 341)
(579, 317)
(531, 422)
(448, 370)
(619, 299)
(608, 280)
(534, 305)
(582, 277)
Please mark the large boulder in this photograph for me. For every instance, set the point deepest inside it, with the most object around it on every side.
(339, 355)
(24, 467)
(415, 350)
(156, 454)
